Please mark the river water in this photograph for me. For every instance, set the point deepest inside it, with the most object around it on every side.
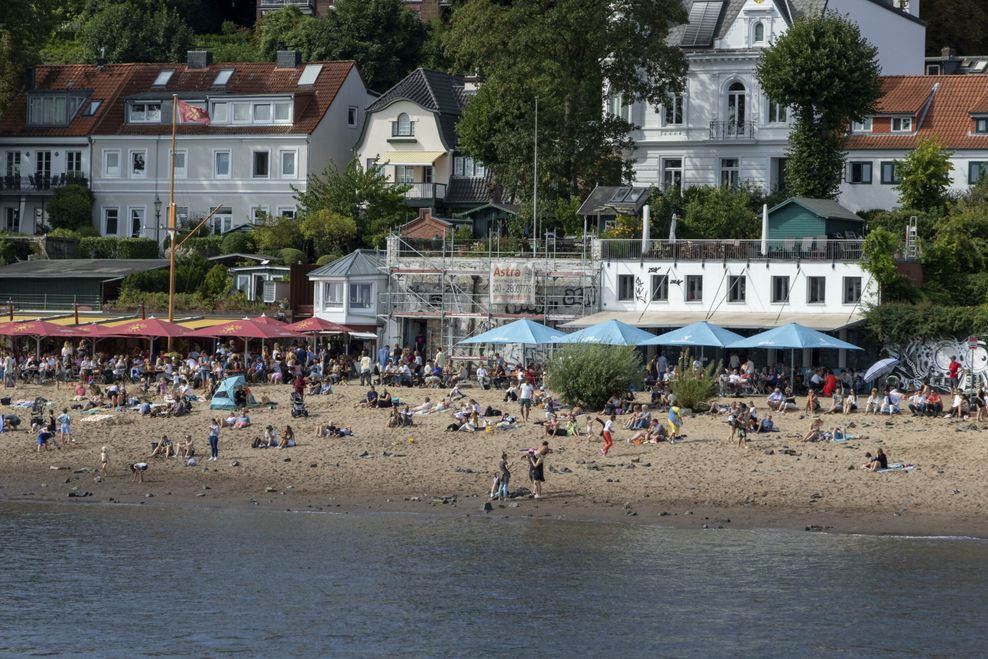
(135, 581)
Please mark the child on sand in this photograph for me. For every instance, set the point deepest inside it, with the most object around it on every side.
(63, 421)
(104, 461)
(137, 471)
(675, 421)
(606, 432)
(879, 461)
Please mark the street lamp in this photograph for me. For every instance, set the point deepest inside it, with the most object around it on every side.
(157, 220)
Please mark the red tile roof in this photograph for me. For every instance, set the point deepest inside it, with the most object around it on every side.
(105, 85)
(114, 83)
(948, 117)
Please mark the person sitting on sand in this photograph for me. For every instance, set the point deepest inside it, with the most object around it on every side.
(287, 438)
(874, 403)
(165, 448)
(814, 435)
(79, 393)
(879, 461)
(455, 393)
(385, 399)
(850, 402)
(890, 401)
(934, 404)
(229, 421)
(370, 400)
(186, 448)
(836, 402)
(812, 402)
(243, 420)
(424, 408)
(767, 425)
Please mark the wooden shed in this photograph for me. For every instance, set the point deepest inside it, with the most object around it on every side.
(802, 217)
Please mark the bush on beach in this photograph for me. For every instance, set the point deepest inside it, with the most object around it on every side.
(590, 374)
(693, 388)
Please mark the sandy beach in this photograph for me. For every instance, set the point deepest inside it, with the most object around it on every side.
(778, 481)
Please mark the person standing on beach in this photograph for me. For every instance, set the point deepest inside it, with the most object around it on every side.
(525, 399)
(606, 433)
(365, 369)
(104, 461)
(504, 473)
(675, 420)
(536, 461)
(64, 430)
(214, 440)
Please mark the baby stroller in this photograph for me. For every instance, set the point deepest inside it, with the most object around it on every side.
(298, 406)
(38, 412)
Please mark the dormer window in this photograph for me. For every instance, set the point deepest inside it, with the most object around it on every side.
(267, 111)
(145, 113)
(981, 125)
(902, 124)
(403, 126)
(222, 77)
(759, 32)
(52, 109)
(861, 126)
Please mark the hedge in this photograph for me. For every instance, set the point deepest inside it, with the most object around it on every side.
(108, 247)
(205, 246)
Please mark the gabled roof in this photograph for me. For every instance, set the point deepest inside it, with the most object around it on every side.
(248, 78)
(100, 83)
(439, 93)
(615, 199)
(825, 208)
(903, 95)
(947, 117)
(357, 263)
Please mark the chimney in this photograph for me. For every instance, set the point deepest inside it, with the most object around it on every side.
(947, 52)
(199, 59)
(288, 59)
(101, 60)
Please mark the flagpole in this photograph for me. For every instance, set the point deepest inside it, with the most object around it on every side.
(171, 220)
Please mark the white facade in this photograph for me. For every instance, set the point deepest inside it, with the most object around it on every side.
(723, 129)
(353, 300)
(245, 174)
(31, 169)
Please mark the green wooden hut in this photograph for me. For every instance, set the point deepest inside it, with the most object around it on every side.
(802, 217)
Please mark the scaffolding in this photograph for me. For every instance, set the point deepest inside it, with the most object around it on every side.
(441, 288)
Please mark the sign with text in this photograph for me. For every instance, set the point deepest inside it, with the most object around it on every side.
(512, 282)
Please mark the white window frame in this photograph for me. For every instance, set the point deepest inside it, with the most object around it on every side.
(772, 297)
(730, 175)
(254, 210)
(737, 289)
(287, 211)
(660, 288)
(905, 125)
(103, 218)
(672, 103)
(229, 165)
(778, 113)
(337, 300)
(625, 293)
(274, 112)
(241, 104)
(754, 32)
(253, 163)
(214, 115)
(149, 114)
(69, 169)
(860, 288)
(352, 304)
(11, 219)
(811, 283)
(131, 172)
(256, 107)
(107, 172)
(667, 168)
(222, 222)
(281, 163)
(130, 217)
(862, 126)
(687, 280)
(183, 171)
(352, 114)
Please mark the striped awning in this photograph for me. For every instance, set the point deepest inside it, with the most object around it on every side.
(411, 157)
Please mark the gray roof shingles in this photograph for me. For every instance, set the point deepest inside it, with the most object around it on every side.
(103, 269)
(357, 263)
(437, 92)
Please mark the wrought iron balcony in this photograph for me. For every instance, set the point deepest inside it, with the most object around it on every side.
(39, 183)
(732, 130)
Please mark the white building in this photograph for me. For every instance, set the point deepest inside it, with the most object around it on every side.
(351, 290)
(271, 126)
(723, 129)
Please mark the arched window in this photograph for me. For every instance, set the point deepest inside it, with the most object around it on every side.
(759, 32)
(403, 127)
(736, 109)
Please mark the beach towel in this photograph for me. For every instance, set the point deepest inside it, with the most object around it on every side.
(97, 417)
(846, 438)
(897, 466)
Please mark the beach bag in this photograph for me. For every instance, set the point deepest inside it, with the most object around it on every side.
(5, 400)
(490, 411)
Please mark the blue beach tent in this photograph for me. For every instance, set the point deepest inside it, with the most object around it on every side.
(223, 398)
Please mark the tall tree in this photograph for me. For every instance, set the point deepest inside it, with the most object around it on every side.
(135, 31)
(24, 25)
(362, 195)
(384, 37)
(926, 178)
(565, 53)
(828, 74)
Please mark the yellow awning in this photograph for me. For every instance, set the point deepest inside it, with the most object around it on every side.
(411, 157)
(203, 322)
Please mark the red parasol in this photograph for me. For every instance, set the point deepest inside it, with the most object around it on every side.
(268, 320)
(248, 328)
(149, 328)
(314, 324)
(37, 328)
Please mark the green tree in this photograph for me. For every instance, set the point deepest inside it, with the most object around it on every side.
(365, 196)
(565, 54)
(135, 32)
(238, 242)
(827, 73)
(925, 176)
(276, 233)
(291, 256)
(878, 252)
(590, 374)
(217, 283)
(720, 213)
(71, 207)
(24, 27)
(280, 30)
(330, 232)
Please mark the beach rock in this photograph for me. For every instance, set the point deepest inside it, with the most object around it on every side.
(270, 489)
(67, 481)
(630, 513)
(79, 495)
(816, 528)
(513, 504)
(636, 460)
(201, 494)
(313, 465)
(464, 470)
(663, 514)
(55, 468)
(629, 466)
(769, 451)
(565, 470)
(287, 460)
(627, 505)
(235, 463)
(148, 495)
(84, 470)
(487, 507)
(581, 462)
(365, 454)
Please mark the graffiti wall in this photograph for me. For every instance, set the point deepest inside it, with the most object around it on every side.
(925, 360)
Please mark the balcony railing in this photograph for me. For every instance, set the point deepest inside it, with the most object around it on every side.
(277, 4)
(786, 249)
(39, 183)
(732, 130)
(424, 190)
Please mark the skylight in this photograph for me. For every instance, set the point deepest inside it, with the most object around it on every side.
(163, 78)
(222, 77)
(309, 74)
